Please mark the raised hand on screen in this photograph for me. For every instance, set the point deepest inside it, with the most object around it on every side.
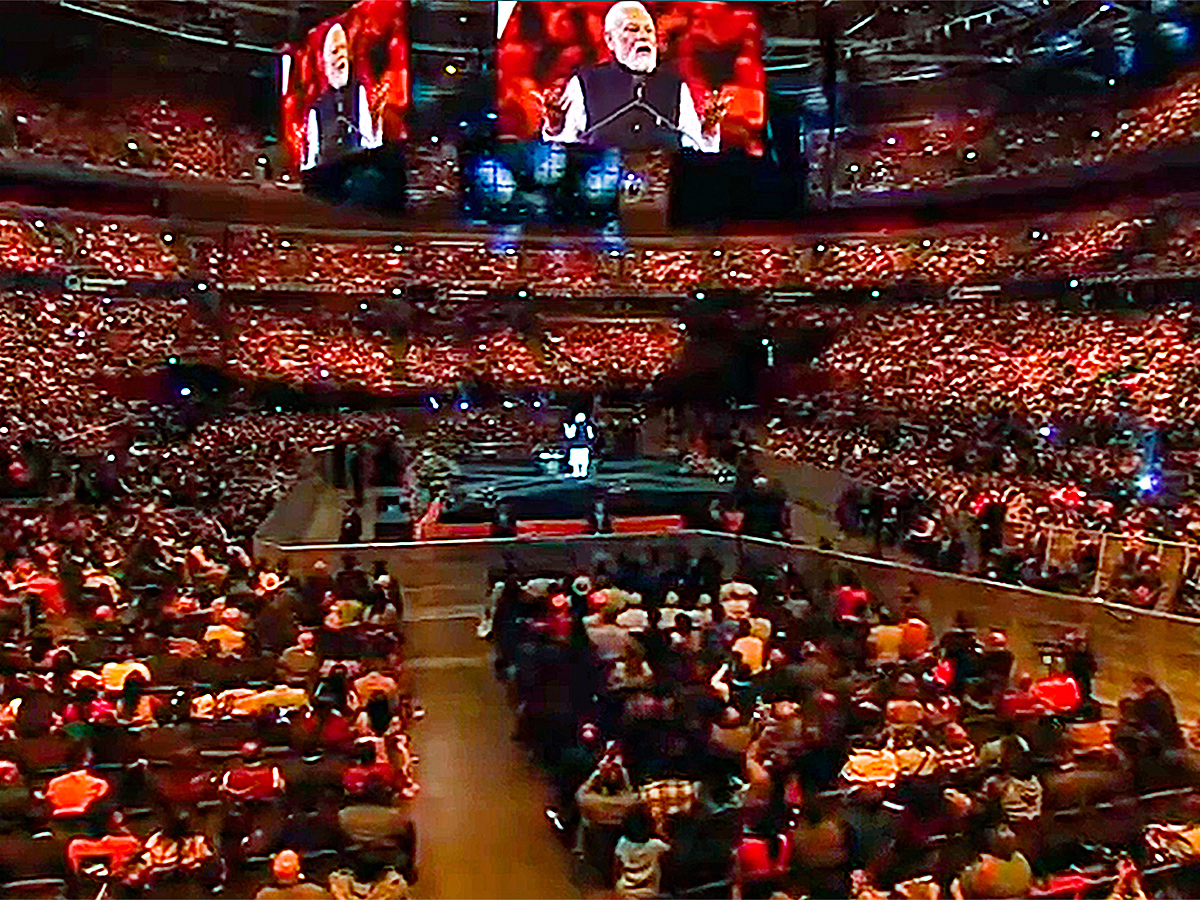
(715, 109)
(553, 107)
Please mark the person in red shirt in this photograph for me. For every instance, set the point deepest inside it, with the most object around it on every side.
(116, 848)
(1058, 694)
(850, 601)
(252, 779)
(1019, 704)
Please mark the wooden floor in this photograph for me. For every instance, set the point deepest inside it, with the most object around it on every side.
(482, 830)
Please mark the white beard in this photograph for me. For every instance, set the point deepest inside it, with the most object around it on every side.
(638, 62)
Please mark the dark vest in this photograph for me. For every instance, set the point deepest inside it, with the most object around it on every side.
(337, 120)
(608, 87)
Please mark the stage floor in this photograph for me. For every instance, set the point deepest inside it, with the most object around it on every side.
(312, 512)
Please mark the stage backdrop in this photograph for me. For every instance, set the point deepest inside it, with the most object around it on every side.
(714, 46)
(377, 48)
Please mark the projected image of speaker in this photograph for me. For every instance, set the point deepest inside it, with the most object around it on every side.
(345, 88)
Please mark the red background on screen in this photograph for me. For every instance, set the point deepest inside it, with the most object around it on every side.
(377, 31)
(713, 45)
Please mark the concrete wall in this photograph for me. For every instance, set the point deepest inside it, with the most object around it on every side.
(455, 573)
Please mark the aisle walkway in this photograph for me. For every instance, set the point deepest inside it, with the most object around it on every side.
(481, 827)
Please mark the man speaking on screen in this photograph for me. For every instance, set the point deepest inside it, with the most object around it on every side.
(631, 102)
(340, 121)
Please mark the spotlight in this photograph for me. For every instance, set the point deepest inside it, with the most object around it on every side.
(131, 145)
(396, 248)
(451, 69)
(172, 360)
(168, 237)
(820, 248)
(522, 293)
(324, 373)
(1095, 134)
(508, 404)
(433, 404)
(185, 392)
(1046, 431)
(699, 295)
(39, 224)
(891, 142)
(927, 243)
(262, 160)
(716, 253)
(202, 286)
(537, 404)
(112, 457)
(363, 306)
(464, 405)
(462, 123)
(1074, 282)
(1112, 82)
(492, 116)
(1146, 483)
(434, 139)
(286, 245)
(396, 292)
(971, 155)
(875, 294)
(852, 168)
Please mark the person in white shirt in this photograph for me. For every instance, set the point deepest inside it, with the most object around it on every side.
(589, 109)
(340, 121)
(638, 859)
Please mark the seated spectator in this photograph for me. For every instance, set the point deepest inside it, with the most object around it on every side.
(371, 877)
(252, 779)
(1002, 871)
(76, 793)
(299, 664)
(288, 881)
(176, 851)
(638, 858)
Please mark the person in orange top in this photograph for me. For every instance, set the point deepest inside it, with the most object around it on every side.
(915, 638)
(749, 648)
(74, 793)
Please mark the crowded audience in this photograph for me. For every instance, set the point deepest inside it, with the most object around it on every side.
(976, 145)
(785, 735)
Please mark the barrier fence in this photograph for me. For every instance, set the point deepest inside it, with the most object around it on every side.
(1126, 640)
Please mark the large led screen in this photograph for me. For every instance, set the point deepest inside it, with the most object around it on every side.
(541, 182)
(345, 88)
(636, 76)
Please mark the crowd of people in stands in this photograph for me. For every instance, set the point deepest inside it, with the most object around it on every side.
(176, 717)
(976, 145)
(970, 427)
(794, 734)
(1106, 246)
(160, 136)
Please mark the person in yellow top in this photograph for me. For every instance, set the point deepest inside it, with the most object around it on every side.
(885, 640)
(231, 640)
(113, 674)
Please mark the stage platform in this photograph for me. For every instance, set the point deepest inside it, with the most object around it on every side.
(526, 491)
(312, 512)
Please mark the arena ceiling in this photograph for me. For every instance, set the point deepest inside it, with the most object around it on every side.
(868, 41)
